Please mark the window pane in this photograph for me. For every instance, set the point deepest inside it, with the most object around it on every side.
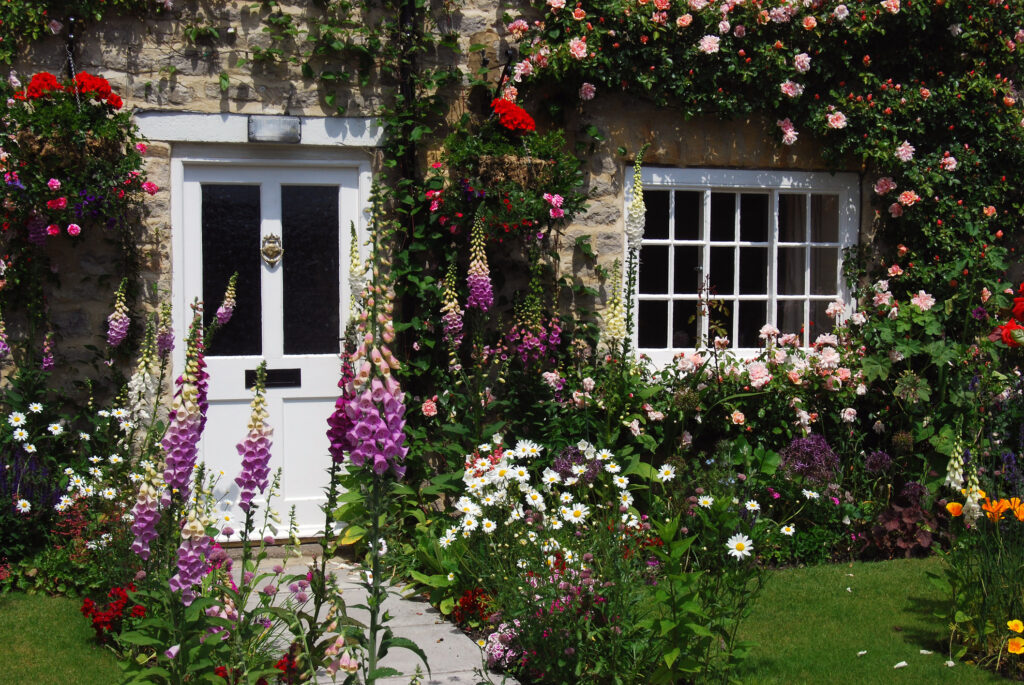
(723, 216)
(752, 316)
(753, 270)
(754, 217)
(820, 323)
(824, 271)
(652, 324)
(684, 323)
(792, 218)
(656, 224)
(688, 205)
(791, 270)
(231, 242)
(309, 227)
(824, 218)
(654, 269)
(790, 316)
(722, 270)
(687, 275)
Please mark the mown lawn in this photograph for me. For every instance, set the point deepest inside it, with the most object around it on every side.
(45, 640)
(810, 624)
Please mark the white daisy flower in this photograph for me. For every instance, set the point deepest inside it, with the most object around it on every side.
(705, 501)
(76, 482)
(787, 530)
(20, 434)
(516, 514)
(612, 467)
(483, 447)
(95, 460)
(579, 469)
(69, 471)
(470, 523)
(35, 407)
(568, 556)
(532, 536)
(521, 563)
(810, 494)
(103, 413)
(565, 498)
(605, 455)
(16, 418)
(481, 464)
(85, 436)
(488, 526)
(95, 472)
(578, 514)
(30, 448)
(64, 503)
(739, 546)
(666, 473)
(563, 511)
(55, 429)
(108, 493)
(528, 449)
(87, 491)
(625, 498)
(554, 524)
(114, 459)
(572, 480)
(752, 505)
(535, 500)
(118, 413)
(135, 477)
(127, 425)
(489, 500)
(501, 471)
(521, 474)
(23, 506)
(550, 477)
(146, 464)
(621, 481)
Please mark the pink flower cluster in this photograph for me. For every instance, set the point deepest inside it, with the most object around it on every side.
(255, 453)
(187, 417)
(378, 427)
(481, 296)
(118, 321)
(556, 211)
(192, 565)
(789, 132)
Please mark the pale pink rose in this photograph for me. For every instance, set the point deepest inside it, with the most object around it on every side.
(738, 418)
(794, 376)
(697, 5)
(759, 375)
(74, 229)
(809, 23)
(53, 184)
(684, 21)
(826, 339)
(835, 309)
(789, 132)
(724, 26)
(654, 415)
(828, 358)
(791, 89)
(791, 339)
(578, 47)
(948, 163)
(841, 12)
(895, 311)
(768, 331)
(634, 427)
(556, 5)
(905, 152)
(836, 120)
(587, 91)
(802, 62)
(923, 300)
(517, 29)
(510, 93)
(895, 210)
(848, 415)
(740, 31)
(908, 198)
(884, 185)
(895, 271)
(662, 5)
(843, 374)
(721, 343)
(660, 18)
(859, 318)
(588, 384)
(779, 356)
(985, 294)
(925, 93)
(882, 299)
(891, 6)
(521, 69)
(429, 408)
(709, 44)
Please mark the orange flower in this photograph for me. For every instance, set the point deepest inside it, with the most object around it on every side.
(995, 510)
(1015, 625)
(1015, 645)
(955, 508)
(1017, 507)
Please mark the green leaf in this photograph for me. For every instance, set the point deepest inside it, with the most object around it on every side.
(225, 81)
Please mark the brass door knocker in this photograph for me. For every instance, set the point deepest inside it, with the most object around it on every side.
(271, 250)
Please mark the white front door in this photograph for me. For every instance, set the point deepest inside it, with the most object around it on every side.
(290, 314)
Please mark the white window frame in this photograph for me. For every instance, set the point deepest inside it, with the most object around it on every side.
(845, 186)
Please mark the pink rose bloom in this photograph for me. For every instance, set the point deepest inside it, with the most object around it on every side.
(587, 91)
(588, 384)
(54, 184)
(697, 5)
(739, 31)
(810, 22)
(662, 4)
(150, 187)
(556, 5)
(884, 185)
(836, 120)
(905, 152)
(579, 14)
(577, 46)
(52, 229)
(843, 374)
(895, 271)
(882, 299)
(556, 212)
(768, 331)
(430, 408)
(925, 93)
(789, 133)
(841, 12)
(59, 203)
(794, 376)
(891, 6)
(835, 309)
(721, 343)
(724, 26)
(848, 415)
(738, 419)
(802, 62)
(791, 339)
(988, 211)
(517, 28)
(759, 375)
(985, 294)
(684, 21)
(791, 89)
(74, 229)
(709, 44)
(909, 198)
(524, 68)
(895, 210)
(923, 300)
(948, 163)
(141, 147)
(828, 358)
(510, 93)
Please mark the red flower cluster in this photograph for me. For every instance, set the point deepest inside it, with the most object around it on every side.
(86, 84)
(512, 116)
(1012, 332)
(233, 676)
(109, 620)
(471, 606)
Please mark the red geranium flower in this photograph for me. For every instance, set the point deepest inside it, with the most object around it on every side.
(512, 116)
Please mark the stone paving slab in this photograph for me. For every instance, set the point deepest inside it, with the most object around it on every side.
(452, 655)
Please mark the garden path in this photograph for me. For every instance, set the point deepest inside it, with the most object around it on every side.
(451, 654)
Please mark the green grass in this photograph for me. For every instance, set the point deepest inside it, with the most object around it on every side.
(46, 640)
(809, 628)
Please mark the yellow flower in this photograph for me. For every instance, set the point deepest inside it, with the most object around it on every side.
(1015, 625)
(1015, 645)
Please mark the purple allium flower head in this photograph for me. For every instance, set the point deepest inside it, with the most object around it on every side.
(481, 296)
(877, 462)
(810, 458)
(118, 321)
(255, 448)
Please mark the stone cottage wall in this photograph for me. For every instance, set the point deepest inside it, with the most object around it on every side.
(155, 66)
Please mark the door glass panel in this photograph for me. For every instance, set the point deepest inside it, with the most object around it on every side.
(309, 227)
(652, 324)
(231, 242)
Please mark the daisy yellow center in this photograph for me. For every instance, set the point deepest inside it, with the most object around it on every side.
(740, 547)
